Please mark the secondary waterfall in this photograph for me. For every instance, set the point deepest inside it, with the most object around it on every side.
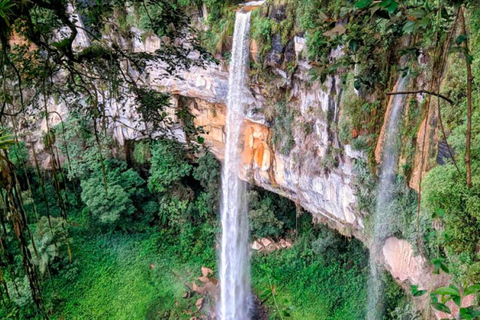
(382, 216)
(234, 256)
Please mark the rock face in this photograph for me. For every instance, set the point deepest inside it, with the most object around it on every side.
(409, 268)
(316, 172)
(323, 189)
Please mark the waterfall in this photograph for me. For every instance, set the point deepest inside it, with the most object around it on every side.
(234, 256)
(382, 216)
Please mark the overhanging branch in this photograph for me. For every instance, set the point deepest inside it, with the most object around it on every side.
(422, 91)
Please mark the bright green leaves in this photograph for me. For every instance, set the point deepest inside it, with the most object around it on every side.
(108, 207)
(453, 293)
(441, 296)
(169, 165)
(6, 10)
(446, 294)
(389, 5)
(450, 291)
(363, 4)
(461, 38)
(439, 213)
(416, 292)
(469, 313)
(439, 264)
(473, 289)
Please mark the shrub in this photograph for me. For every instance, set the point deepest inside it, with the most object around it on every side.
(49, 242)
(443, 189)
(169, 165)
(108, 202)
(141, 152)
(263, 221)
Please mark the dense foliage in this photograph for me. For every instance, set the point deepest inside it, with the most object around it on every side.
(103, 235)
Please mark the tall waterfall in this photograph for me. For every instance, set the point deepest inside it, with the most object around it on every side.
(382, 216)
(234, 257)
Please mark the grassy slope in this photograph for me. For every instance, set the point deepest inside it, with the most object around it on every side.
(117, 280)
(312, 286)
(124, 277)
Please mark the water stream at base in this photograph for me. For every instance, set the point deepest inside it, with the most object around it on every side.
(235, 294)
(382, 216)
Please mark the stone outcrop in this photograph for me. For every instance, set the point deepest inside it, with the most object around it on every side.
(326, 191)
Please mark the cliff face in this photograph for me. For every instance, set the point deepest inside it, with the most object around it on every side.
(327, 189)
(316, 171)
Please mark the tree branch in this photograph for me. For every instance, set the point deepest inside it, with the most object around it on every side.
(423, 91)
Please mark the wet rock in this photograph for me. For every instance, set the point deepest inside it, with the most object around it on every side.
(274, 58)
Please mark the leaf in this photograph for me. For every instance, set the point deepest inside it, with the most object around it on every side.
(200, 139)
(417, 13)
(457, 300)
(416, 292)
(438, 213)
(362, 4)
(439, 264)
(392, 8)
(441, 307)
(474, 288)
(353, 45)
(469, 313)
(356, 84)
(461, 38)
(469, 58)
(451, 291)
(337, 30)
(389, 5)
(322, 16)
(447, 236)
(61, 44)
(408, 27)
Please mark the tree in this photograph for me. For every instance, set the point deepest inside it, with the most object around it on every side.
(51, 236)
(111, 206)
(169, 165)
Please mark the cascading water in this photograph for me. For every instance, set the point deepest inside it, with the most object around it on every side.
(234, 259)
(382, 216)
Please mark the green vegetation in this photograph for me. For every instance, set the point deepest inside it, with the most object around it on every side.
(283, 138)
(134, 244)
(102, 235)
(306, 283)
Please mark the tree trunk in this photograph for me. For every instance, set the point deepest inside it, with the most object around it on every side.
(469, 103)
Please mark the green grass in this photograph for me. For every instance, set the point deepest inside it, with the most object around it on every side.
(310, 285)
(124, 277)
(130, 277)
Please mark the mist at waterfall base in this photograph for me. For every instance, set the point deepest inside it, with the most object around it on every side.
(382, 216)
(235, 296)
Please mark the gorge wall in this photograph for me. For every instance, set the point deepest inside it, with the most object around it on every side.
(299, 155)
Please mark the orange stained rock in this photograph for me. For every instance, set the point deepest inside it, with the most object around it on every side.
(256, 149)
